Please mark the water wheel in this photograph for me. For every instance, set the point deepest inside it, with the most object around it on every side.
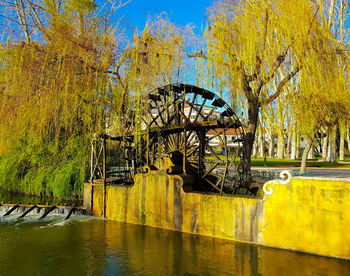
(197, 129)
(192, 126)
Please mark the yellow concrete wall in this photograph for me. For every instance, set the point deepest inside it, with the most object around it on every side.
(158, 200)
(309, 215)
(306, 214)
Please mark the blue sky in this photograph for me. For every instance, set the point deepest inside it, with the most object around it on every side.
(181, 12)
(136, 13)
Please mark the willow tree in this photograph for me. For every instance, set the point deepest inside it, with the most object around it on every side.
(150, 60)
(55, 92)
(80, 77)
(323, 101)
(247, 42)
(73, 78)
(315, 109)
(336, 13)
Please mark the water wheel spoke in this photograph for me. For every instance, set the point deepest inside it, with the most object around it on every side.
(210, 113)
(194, 164)
(154, 119)
(191, 106)
(199, 112)
(182, 114)
(213, 185)
(191, 136)
(214, 136)
(213, 152)
(190, 152)
(145, 122)
(193, 142)
(160, 112)
(171, 119)
(211, 169)
(171, 142)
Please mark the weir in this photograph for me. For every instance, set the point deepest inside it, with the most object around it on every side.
(28, 211)
(22, 210)
(11, 210)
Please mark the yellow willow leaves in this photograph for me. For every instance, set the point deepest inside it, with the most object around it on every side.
(79, 80)
(254, 44)
(156, 53)
(50, 90)
(250, 35)
(322, 100)
(155, 58)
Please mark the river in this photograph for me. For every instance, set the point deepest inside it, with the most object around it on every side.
(85, 245)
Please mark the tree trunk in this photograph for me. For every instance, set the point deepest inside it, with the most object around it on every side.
(342, 129)
(253, 113)
(324, 147)
(280, 144)
(305, 154)
(271, 143)
(297, 153)
(262, 144)
(293, 154)
(256, 145)
(348, 136)
(311, 154)
(289, 140)
(332, 146)
(255, 149)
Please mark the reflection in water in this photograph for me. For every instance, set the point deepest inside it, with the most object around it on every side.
(15, 197)
(88, 246)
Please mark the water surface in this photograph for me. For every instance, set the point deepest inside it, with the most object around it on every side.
(91, 246)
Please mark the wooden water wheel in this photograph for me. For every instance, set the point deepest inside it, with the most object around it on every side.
(192, 126)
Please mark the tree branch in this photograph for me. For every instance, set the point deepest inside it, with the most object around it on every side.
(11, 19)
(22, 17)
(280, 86)
(36, 15)
(279, 60)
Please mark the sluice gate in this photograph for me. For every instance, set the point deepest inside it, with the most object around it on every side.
(43, 211)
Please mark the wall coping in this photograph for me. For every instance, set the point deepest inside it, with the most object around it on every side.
(322, 178)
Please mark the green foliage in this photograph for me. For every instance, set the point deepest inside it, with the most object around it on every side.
(41, 168)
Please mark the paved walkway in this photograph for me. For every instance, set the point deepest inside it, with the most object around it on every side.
(315, 172)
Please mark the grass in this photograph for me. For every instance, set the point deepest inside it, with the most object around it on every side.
(347, 158)
(274, 162)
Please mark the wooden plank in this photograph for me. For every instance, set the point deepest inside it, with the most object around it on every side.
(70, 213)
(28, 211)
(48, 211)
(11, 210)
